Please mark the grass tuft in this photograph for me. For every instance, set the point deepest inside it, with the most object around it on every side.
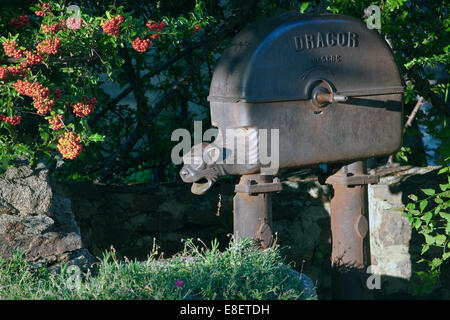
(198, 273)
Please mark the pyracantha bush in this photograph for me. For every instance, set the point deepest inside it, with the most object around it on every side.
(51, 62)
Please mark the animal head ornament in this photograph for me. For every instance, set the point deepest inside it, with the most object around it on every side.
(232, 153)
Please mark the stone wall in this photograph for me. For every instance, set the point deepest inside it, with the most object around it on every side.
(395, 247)
(132, 218)
(38, 221)
(54, 222)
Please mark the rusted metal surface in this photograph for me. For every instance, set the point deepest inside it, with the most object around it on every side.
(357, 129)
(281, 58)
(352, 180)
(252, 186)
(333, 90)
(326, 82)
(350, 255)
(253, 208)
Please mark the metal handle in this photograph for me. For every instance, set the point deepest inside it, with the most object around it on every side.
(327, 97)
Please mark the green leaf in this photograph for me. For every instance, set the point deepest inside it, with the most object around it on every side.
(436, 262)
(446, 255)
(440, 239)
(303, 7)
(413, 197)
(423, 204)
(427, 217)
(428, 192)
(444, 186)
(410, 206)
(425, 248)
(96, 137)
(417, 224)
(445, 215)
(429, 239)
(420, 272)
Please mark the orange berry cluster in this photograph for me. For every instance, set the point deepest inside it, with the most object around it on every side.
(16, 70)
(38, 92)
(43, 106)
(69, 146)
(11, 49)
(31, 59)
(112, 26)
(14, 121)
(3, 72)
(51, 28)
(19, 22)
(141, 45)
(83, 109)
(155, 26)
(43, 8)
(49, 46)
(56, 123)
(31, 89)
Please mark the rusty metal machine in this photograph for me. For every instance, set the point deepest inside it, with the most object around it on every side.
(331, 88)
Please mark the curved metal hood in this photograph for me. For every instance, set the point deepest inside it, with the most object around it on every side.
(278, 59)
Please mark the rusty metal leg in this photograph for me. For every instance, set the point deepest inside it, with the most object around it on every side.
(350, 255)
(253, 208)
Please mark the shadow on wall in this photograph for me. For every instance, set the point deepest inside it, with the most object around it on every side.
(132, 218)
(411, 182)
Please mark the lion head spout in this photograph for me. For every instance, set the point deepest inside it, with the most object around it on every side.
(206, 162)
(201, 168)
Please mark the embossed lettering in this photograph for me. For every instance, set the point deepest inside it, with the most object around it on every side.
(331, 39)
(342, 39)
(309, 41)
(327, 59)
(320, 43)
(322, 40)
(352, 39)
(298, 43)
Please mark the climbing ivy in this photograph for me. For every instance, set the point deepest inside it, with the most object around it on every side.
(429, 214)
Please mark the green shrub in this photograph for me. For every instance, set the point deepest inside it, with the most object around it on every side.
(239, 272)
(430, 216)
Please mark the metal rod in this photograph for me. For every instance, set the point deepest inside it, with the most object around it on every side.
(253, 211)
(350, 255)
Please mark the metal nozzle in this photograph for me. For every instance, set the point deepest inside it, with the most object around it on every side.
(323, 98)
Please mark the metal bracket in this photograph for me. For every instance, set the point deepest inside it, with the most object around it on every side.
(352, 180)
(252, 187)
